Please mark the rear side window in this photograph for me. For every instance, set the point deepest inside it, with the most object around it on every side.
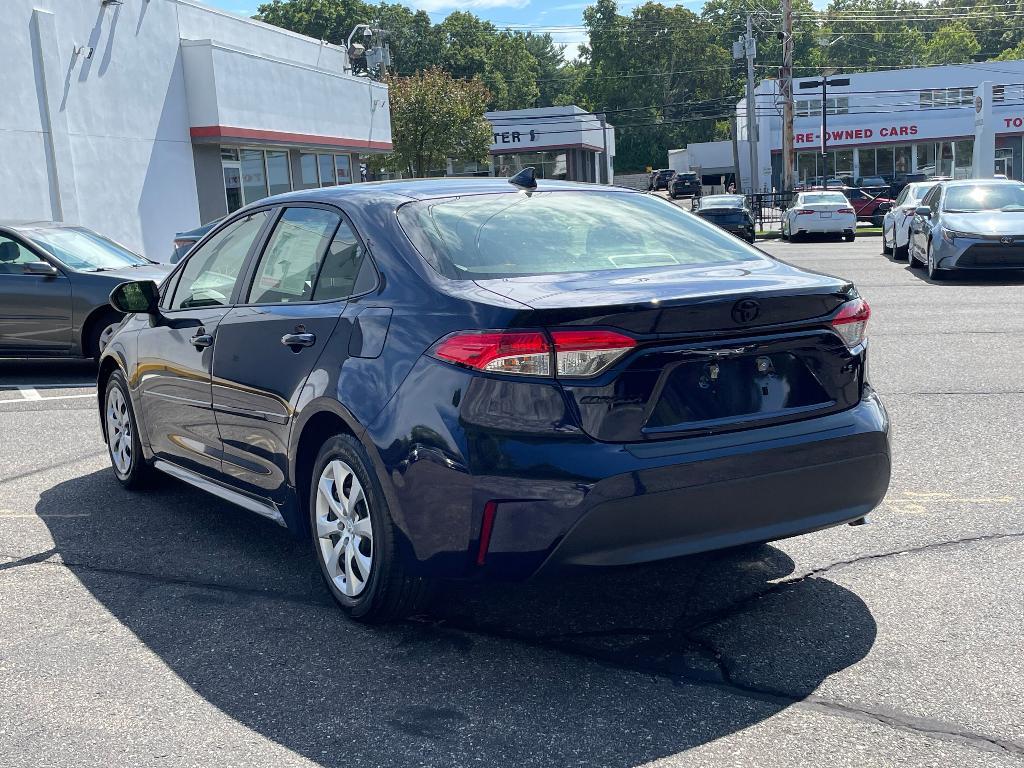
(287, 271)
(515, 233)
(341, 268)
(208, 279)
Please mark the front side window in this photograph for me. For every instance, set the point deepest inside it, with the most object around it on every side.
(209, 276)
(507, 234)
(14, 256)
(290, 262)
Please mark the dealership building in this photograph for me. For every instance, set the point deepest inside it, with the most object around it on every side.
(142, 118)
(883, 124)
(565, 143)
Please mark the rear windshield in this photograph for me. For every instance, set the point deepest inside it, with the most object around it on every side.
(516, 233)
(722, 201)
(984, 197)
(831, 198)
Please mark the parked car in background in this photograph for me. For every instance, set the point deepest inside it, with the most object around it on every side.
(183, 241)
(660, 179)
(730, 212)
(868, 207)
(451, 379)
(55, 282)
(896, 222)
(969, 224)
(819, 212)
(872, 181)
(685, 184)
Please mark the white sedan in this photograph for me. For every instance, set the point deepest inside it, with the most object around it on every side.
(896, 224)
(819, 212)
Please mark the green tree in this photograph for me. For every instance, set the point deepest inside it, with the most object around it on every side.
(435, 117)
(953, 43)
(550, 59)
(510, 73)
(330, 20)
(1011, 54)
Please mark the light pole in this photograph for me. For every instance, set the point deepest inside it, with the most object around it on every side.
(824, 83)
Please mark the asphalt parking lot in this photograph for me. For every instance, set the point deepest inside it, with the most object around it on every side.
(172, 629)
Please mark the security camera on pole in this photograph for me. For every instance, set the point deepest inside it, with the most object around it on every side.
(746, 47)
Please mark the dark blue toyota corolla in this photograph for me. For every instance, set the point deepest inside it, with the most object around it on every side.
(481, 379)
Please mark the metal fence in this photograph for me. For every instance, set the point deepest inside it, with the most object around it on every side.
(768, 207)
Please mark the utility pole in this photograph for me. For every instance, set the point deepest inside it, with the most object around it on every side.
(746, 47)
(786, 91)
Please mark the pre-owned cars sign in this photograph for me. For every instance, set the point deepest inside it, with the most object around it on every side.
(858, 135)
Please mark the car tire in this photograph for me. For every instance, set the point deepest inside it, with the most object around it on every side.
(886, 250)
(121, 432)
(935, 274)
(100, 331)
(849, 238)
(899, 253)
(354, 539)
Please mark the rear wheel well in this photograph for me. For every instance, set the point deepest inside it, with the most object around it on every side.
(101, 317)
(318, 430)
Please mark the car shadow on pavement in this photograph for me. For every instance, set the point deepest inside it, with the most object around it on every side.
(494, 674)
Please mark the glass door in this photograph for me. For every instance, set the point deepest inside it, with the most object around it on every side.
(1004, 161)
(232, 184)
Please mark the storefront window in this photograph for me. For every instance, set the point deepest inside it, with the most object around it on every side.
(308, 168)
(342, 164)
(926, 158)
(866, 160)
(806, 166)
(277, 173)
(964, 159)
(883, 163)
(327, 178)
(547, 165)
(254, 179)
(843, 163)
(945, 155)
(902, 157)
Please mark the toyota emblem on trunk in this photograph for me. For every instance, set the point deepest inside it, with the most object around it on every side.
(745, 311)
(1006, 240)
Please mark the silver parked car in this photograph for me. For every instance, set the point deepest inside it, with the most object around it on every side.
(969, 224)
(896, 223)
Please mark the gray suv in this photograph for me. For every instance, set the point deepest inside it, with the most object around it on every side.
(55, 284)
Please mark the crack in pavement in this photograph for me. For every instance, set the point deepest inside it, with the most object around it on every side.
(562, 642)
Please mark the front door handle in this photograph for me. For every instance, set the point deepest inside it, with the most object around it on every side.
(202, 340)
(298, 340)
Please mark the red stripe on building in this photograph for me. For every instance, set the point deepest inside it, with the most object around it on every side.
(255, 134)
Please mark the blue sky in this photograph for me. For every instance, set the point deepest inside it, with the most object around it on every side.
(555, 16)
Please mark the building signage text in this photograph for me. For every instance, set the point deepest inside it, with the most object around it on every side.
(857, 134)
(513, 137)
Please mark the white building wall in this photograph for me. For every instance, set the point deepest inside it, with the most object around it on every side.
(105, 141)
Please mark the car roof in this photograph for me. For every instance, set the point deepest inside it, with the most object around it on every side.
(972, 182)
(404, 190)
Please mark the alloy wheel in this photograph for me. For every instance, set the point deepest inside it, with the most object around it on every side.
(343, 528)
(119, 431)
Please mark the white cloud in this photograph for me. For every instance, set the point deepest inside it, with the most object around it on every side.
(572, 42)
(433, 6)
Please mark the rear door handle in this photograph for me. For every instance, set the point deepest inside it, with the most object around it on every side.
(299, 339)
(202, 340)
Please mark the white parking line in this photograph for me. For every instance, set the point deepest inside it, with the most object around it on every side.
(30, 393)
(39, 397)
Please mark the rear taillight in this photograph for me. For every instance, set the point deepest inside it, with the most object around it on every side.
(585, 353)
(851, 322)
(530, 353)
(846, 210)
(524, 353)
(804, 211)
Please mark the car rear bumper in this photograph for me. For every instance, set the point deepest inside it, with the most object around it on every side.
(835, 225)
(564, 499)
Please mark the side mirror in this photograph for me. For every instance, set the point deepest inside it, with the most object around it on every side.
(40, 268)
(884, 207)
(923, 210)
(139, 296)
